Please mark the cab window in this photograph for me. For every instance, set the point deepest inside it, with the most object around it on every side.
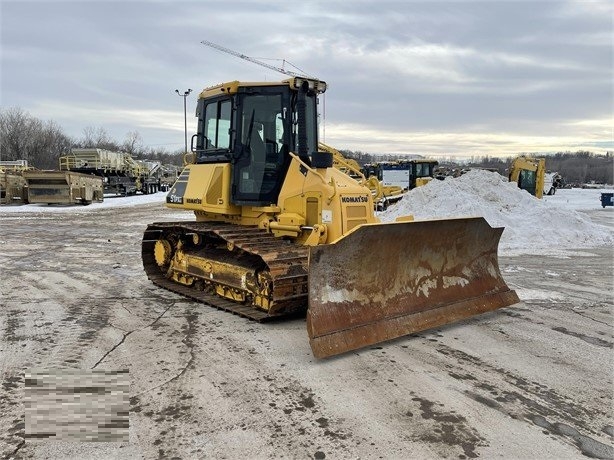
(217, 125)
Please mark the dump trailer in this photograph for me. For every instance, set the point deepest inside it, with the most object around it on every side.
(122, 175)
(63, 187)
(279, 231)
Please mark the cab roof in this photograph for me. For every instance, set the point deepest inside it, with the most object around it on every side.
(232, 87)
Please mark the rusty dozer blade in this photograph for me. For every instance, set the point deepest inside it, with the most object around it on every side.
(383, 281)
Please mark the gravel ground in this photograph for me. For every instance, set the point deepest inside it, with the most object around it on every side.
(529, 381)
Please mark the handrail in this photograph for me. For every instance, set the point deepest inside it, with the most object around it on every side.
(318, 174)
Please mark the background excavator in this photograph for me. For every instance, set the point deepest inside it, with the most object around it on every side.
(530, 174)
(279, 231)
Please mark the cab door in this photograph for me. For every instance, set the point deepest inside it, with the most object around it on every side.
(261, 160)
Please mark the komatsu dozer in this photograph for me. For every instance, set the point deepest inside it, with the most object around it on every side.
(278, 231)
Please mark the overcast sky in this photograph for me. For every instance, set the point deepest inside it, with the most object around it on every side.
(433, 78)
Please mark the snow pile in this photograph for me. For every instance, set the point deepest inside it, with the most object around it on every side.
(530, 224)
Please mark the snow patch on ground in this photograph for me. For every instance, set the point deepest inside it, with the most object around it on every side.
(109, 202)
(154, 201)
(578, 199)
(537, 294)
(550, 225)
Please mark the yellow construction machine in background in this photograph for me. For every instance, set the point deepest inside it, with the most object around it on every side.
(530, 174)
(404, 174)
(279, 231)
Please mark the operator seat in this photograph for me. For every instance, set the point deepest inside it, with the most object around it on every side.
(257, 147)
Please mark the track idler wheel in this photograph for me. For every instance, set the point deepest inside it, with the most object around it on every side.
(163, 252)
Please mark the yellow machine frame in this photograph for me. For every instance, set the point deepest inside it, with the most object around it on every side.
(529, 174)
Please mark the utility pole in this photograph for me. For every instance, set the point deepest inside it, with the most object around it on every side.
(185, 115)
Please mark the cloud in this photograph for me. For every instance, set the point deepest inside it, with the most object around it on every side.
(460, 143)
(530, 71)
(161, 127)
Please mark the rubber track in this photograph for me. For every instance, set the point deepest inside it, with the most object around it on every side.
(287, 264)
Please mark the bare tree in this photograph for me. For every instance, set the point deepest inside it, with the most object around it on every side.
(97, 138)
(15, 128)
(24, 137)
(132, 144)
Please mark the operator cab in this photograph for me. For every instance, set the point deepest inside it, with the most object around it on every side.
(253, 126)
(527, 180)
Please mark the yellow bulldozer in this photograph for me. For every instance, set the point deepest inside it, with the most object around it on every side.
(279, 231)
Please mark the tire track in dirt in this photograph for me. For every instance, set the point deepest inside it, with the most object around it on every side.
(433, 425)
(25, 333)
(530, 401)
(54, 303)
(285, 413)
(60, 336)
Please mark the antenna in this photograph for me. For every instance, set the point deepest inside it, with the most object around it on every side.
(254, 60)
(271, 67)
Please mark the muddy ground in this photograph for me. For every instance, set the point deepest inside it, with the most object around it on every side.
(530, 381)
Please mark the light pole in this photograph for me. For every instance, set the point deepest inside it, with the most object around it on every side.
(185, 116)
